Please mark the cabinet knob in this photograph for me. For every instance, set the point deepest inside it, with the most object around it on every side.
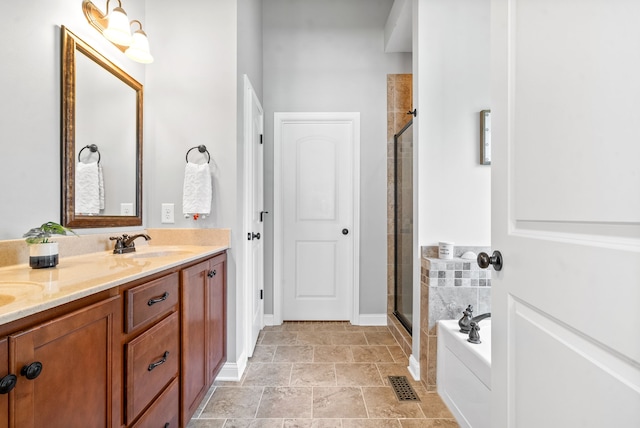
(32, 370)
(7, 383)
(212, 273)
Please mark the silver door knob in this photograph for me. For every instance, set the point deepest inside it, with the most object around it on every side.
(484, 260)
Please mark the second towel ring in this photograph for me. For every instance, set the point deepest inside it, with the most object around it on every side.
(202, 149)
(92, 148)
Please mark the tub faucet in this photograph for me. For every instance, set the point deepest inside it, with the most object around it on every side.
(474, 335)
(125, 244)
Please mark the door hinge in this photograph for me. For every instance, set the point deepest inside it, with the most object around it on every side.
(261, 294)
(260, 138)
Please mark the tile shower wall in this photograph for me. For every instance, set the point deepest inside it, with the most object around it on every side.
(447, 287)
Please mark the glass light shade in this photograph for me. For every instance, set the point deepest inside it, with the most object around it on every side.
(118, 30)
(139, 49)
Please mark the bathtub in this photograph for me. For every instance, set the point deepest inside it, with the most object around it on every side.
(464, 373)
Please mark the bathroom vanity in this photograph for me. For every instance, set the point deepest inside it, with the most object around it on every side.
(105, 340)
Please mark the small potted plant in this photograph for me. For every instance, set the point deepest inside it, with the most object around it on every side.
(43, 253)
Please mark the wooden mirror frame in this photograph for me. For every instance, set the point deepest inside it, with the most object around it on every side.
(70, 45)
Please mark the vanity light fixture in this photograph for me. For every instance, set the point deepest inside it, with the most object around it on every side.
(116, 28)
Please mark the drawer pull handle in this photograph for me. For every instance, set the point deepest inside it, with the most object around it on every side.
(158, 363)
(7, 383)
(212, 273)
(152, 302)
(32, 370)
(167, 425)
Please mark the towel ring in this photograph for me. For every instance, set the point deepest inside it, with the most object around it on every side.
(202, 149)
(92, 148)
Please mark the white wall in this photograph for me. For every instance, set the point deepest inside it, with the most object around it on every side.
(329, 56)
(453, 87)
(30, 176)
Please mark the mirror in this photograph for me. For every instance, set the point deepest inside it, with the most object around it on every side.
(101, 139)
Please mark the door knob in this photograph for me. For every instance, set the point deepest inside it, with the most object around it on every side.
(484, 260)
(345, 231)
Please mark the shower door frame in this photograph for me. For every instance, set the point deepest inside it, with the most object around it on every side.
(406, 323)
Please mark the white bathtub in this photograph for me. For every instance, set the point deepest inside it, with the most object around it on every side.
(464, 373)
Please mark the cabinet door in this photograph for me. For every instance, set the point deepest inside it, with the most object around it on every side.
(194, 376)
(4, 371)
(79, 381)
(217, 331)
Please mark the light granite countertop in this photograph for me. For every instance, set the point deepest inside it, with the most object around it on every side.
(25, 291)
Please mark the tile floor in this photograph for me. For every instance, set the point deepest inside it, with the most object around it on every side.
(321, 375)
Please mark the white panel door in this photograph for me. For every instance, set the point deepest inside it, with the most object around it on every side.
(566, 213)
(254, 215)
(318, 236)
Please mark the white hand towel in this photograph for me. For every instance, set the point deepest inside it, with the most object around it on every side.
(196, 193)
(101, 187)
(87, 188)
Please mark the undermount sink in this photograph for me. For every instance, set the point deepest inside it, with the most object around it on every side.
(155, 254)
(11, 291)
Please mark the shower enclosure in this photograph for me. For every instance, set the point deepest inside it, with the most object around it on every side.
(403, 225)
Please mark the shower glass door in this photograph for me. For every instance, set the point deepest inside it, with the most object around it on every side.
(403, 225)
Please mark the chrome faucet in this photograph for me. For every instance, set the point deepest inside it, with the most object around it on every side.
(125, 244)
(474, 335)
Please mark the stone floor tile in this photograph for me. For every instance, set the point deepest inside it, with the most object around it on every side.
(330, 326)
(397, 354)
(429, 423)
(253, 423)
(268, 374)
(348, 338)
(293, 354)
(332, 354)
(371, 354)
(279, 338)
(285, 402)
(380, 338)
(358, 374)
(232, 402)
(381, 402)
(312, 423)
(313, 374)
(433, 406)
(263, 354)
(338, 402)
(206, 423)
(396, 369)
(313, 338)
(370, 423)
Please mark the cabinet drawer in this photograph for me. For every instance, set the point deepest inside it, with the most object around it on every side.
(165, 411)
(150, 301)
(152, 362)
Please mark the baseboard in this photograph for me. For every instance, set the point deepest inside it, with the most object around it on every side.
(268, 319)
(414, 367)
(372, 319)
(232, 371)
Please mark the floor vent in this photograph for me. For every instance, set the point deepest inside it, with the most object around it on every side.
(403, 389)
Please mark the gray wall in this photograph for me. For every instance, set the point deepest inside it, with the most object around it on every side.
(30, 107)
(329, 56)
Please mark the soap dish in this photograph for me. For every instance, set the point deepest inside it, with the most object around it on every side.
(469, 255)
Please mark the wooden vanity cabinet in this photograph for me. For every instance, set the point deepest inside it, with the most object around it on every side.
(5, 383)
(68, 370)
(203, 330)
(152, 352)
